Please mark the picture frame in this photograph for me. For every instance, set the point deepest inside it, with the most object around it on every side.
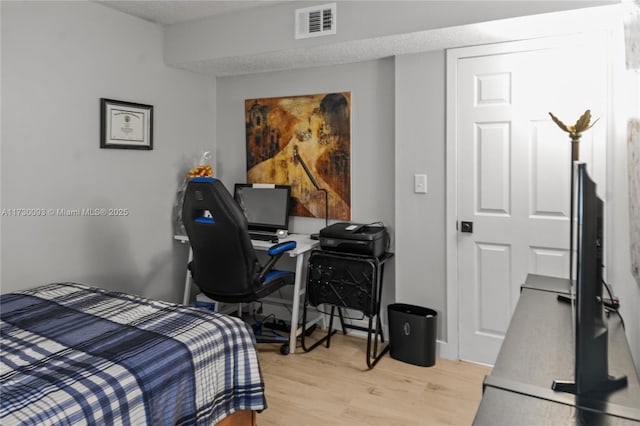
(125, 125)
(294, 140)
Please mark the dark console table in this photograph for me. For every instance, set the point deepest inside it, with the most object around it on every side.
(537, 349)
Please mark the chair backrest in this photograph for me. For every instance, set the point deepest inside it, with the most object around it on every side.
(225, 264)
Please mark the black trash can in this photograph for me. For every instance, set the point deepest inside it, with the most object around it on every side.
(412, 334)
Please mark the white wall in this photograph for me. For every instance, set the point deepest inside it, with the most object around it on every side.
(420, 148)
(626, 98)
(372, 130)
(58, 60)
(372, 134)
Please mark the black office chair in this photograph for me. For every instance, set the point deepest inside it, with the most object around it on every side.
(225, 266)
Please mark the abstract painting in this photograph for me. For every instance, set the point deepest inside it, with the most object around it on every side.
(287, 135)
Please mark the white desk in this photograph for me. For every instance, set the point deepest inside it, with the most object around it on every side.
(304, 246)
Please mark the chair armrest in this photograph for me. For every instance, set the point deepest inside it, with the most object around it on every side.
(276, 252)
(281, 248)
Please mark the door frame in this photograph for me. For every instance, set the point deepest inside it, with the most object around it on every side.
(451, 349)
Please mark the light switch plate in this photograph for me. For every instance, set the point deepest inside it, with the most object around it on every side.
(420, 184)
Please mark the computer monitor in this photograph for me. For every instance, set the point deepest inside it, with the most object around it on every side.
(265, 206)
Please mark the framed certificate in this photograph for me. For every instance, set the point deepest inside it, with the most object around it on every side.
(125, 125)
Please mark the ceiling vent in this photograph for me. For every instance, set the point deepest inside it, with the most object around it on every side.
(316, 21)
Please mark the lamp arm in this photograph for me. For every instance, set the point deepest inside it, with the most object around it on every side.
(326, 206)
(306, 169)
(315, 183)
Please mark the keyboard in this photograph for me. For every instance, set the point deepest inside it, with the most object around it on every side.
(263, 236)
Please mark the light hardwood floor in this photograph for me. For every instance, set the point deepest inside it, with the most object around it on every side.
(334, 387)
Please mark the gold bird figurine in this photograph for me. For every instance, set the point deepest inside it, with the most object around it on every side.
(583, 124)
(575, 131)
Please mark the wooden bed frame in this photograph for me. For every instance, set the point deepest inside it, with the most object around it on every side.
(240, 418)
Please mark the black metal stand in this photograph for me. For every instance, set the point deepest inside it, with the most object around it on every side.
(346, 280)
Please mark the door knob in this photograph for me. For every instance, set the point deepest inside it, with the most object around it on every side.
(466, 227)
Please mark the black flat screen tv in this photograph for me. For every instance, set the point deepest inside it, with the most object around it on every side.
(590, 333)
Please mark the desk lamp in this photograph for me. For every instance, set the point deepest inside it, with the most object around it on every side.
(297, 157)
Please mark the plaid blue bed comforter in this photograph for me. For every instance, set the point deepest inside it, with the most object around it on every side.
(74, 354)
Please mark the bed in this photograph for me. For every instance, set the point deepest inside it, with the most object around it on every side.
(74, 354)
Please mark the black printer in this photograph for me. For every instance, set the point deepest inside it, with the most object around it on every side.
(371, 240)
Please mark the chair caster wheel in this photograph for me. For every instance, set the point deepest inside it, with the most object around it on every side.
(284, 349)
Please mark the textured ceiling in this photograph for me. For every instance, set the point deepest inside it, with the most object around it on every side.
(174, 11)
(423, 41)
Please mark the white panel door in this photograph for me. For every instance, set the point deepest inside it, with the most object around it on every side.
(514, 177)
